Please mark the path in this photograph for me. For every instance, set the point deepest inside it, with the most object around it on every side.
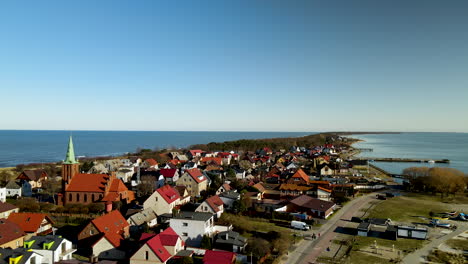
(308, 250)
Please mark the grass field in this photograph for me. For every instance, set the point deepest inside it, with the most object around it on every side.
(460, 244)
(453, 199)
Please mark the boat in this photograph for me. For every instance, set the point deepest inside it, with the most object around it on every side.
(431, 161)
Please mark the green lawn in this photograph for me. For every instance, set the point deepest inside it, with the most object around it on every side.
(363, 258)
(400, 244)
(460, 244)
(454, 199)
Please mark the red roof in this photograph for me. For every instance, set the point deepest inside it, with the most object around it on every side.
(151, 162)
(112, 225)
(167, 173)
(218, 257)
(29, 222)
(320, 182)
(169, 237)
(196, 175)
(158, 248)
(218, 161)
(195, 151)
(323, 189)
(301, 174)
(168, 193)
(117, 186)
(4, 207)
(226, 187)
(214, 202)
(9, 231)
(88, 183)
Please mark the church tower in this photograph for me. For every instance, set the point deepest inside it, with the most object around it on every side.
(70, 165)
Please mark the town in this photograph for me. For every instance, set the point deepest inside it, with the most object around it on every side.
(301, 204)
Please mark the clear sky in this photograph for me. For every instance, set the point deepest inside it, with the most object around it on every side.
(234, 65)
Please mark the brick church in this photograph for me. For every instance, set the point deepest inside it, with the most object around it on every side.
(86, 188)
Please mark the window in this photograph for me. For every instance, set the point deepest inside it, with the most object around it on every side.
(91, 232)
(184, 234)
(77, 197)
(156, 198)
(70, 197)
(184, 224)
(85, 198)
(146, 255)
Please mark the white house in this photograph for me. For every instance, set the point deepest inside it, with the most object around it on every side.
(163, 200)
(19, 255)
(3, 194)
(52, 248)
(212, 205)
(192, 226)
(223, 188)
(229, 198)
(13, 189)
(158, 248)
(323, 194)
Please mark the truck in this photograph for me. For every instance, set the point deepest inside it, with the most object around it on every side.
(299, 225)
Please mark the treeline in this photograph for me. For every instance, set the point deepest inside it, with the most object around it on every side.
(437, 180)
(272, 143)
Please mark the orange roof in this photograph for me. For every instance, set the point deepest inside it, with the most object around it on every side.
(112, 226)
(216, 160)
(323, 189)
(151, 162)
(29, 222)
(196, 175)
(294, 187)
(82, 182)
(301, 174)
(320, 182)
(117, 186)
(214, 202)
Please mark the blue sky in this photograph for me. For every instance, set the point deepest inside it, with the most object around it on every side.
(234, 65)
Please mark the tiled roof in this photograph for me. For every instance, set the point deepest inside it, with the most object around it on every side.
(82, 182)
(323, 189)
(195, 151)
(214, 202)
(158, 248)
(117, 186)
(196, 175)
(169, 237)
(111, 225)
(32, 175)
(168, 193)
(294, 187)
(320, 182)
(217, 161)
(226, 187)
(301, 174)
(259, 187)
(4, 207)
(168, 173)
(28, 222)
(218, 257)
(151, 162)
(312, 203)
(9, 231)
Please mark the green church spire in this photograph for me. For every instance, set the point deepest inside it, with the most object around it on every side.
(70, 158)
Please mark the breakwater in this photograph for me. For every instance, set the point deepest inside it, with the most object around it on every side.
(404, 160)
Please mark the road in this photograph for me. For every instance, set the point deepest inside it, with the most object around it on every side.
(307, 251)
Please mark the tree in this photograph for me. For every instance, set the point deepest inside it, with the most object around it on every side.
(96, 208)
(258, 247)
(245, 164)
(52, 187)
(206, 242)
(184, 260)
(231, 173)
(146, 186)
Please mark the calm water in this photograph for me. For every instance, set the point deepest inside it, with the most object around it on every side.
(452, 146)
(26, 146)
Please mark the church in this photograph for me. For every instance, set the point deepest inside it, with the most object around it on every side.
(86, 188)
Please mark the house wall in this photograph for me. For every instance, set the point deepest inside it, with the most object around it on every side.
(192, 231)
(102, 245)
(14, 243)
(176, 248)
(204, 207)
(37, 259)
(83, 197)
(158, 204)
(193, 187)
(7, 213)
(3, 194)
(322, 195)
(48, 256)
(140, 256)
(13, 192)
(88, 231)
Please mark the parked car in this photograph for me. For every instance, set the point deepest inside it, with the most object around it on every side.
(381, 197)
(356, 219)
(299, 225)
(437, 223)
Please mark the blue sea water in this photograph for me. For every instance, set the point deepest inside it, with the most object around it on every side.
(30, 146)
(452, 146)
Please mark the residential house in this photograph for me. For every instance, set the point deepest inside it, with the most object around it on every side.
(6, 209)
(52, 248)
(212, 160)
(323, 193)
(189, 165)
(3, 194)
(159, 248)
(184, 195)
(230, 241)
(19, 256)
(13, 189)
(170, 175)
(163, 200)
(150, 164)
(229, 198)
(32, 223)
(299, 178)
(11, 234)
(293, 190)
(182, 158)
(145, 217)
(33, 177)
(194, 153)
(103, 236)
(225, 187)
(325, 169)
(219, 257)
(192, 226)
(194, 180)
(313, 207)
(125, 173)
(213, 205)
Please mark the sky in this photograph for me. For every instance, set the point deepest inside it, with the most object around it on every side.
(358, 65)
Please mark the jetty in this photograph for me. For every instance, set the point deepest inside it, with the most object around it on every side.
(405, 160)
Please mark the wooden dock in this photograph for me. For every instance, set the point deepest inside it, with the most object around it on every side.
(405, 160)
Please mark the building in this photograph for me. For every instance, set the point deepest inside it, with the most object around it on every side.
(229, 198)
(52, 248)
(219, 257)
(19, 256)
(6, 209)
(33, 177)
(299, 178)
(223, 188)
(89, 188)
(192, 226)
(3, 195)
(32, 223)
(146, 217)
(163, 200)
(194, 181)
(103, 235)
(230, 241)
(13, 189)
(11, 234)
(213, 205)
(159, 248)
(313, 207)
(170, 175)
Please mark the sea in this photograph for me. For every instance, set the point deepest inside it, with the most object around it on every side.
(451, 146)
(40, 146)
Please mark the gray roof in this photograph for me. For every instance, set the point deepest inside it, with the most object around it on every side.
(197, 216)
(7, 253)
(40, 240)
(230, 194)
(12, 185)
(144, 216)
(233, 238)
(185, 253)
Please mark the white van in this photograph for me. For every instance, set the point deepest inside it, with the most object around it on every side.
(299, 225)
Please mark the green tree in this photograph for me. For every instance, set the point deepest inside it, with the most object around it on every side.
(206, 242)
(258, 247)
(184, 260)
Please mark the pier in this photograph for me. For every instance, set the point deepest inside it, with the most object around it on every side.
(405, 160)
